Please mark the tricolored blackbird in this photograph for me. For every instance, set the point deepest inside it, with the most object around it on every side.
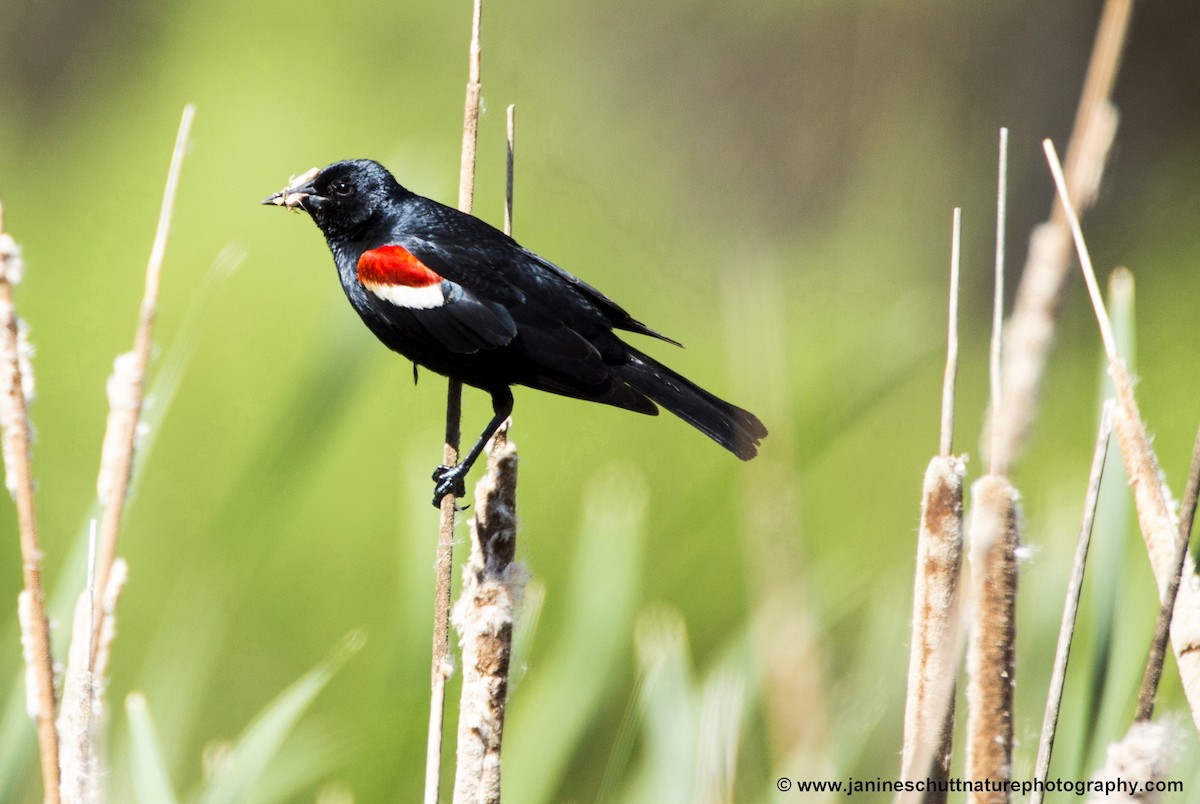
(454, 294)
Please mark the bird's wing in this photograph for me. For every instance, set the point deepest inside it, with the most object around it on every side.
(493, 288)
(476, 255)
(410, 282)
(616, 315)
(563, 340)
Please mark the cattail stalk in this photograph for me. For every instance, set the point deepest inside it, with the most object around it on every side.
(493, 585)
(991, 658)
(946, 444)
(998, 458)
(511, 118)
(126, 386)
(933, 658)
(16, 388)
(991, 653)
(442, 665)
(484, 617)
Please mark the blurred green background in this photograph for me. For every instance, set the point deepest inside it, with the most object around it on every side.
(769, 182)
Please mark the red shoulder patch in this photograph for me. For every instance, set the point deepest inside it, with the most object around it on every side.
(394, 265)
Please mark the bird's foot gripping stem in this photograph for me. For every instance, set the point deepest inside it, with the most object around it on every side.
(452, 479)
(449, 480)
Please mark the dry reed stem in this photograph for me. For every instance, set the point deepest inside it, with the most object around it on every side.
(466, 173)
(442, 665)
(933, 657)
(1085, 258)
(946, 446)
(929, 710)
(991, 648)
(16, 385)
(484, 616)
(127, 384)
(1066, 631)
(1039, 296)
(991, 659)
(1162, 624)
(997, 457)
(1150, 494)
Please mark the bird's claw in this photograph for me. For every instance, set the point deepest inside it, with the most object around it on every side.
(448, 480)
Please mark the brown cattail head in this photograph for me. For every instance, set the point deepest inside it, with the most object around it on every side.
(991, 658)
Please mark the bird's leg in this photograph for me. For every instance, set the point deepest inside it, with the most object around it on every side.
(452, 479)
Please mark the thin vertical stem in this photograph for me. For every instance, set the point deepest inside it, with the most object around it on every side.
(466, 175)
(998, 464)
(508, 184)
(947, 442)
(441, 665)
(127, 386)
(936, 624)
(484, 616)
(1066, 630)
(35, 629)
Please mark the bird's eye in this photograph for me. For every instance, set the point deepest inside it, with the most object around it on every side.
(342, 188)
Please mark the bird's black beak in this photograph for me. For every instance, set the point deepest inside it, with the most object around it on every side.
(299, 194)
(278, 199)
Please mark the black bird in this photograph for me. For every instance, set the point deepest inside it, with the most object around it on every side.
(454, 294)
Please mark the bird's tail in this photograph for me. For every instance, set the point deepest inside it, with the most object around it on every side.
(737, 430)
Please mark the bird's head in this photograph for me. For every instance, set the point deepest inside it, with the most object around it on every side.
(342, 197)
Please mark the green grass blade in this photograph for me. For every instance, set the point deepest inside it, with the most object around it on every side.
(669, 708)
(151, 781)
(259, 743)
